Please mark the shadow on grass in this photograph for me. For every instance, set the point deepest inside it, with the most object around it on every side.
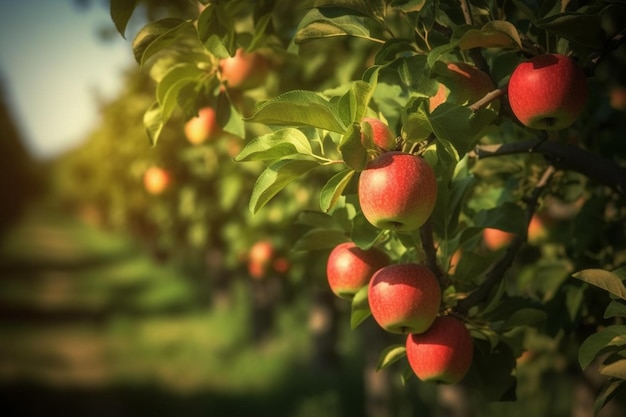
(302, 393)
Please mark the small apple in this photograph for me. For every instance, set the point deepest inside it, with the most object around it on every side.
(441, 354)
(202, 127)
(281, 265)
(156, 180)
(617, 98)
(538, 229)
(404, 298)
(397, 191)
(496, 239)
(260, 258)
(349, 268)
(244, 70)
(548, 92)
(463, 84)
(381, 136)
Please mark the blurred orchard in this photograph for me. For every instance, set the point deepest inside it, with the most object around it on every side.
(220, 245)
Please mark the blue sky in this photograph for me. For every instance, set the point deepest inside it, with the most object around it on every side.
(52, 63)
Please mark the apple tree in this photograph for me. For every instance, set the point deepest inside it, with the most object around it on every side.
(500, 120)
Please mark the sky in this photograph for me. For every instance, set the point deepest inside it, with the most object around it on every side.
(53, 64)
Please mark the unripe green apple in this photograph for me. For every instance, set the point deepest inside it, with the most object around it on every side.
(397, 191)
(156, 180)
(443, 353)
(244, 70)
(349, 268)
(381, 135)
(202, 127)
(404, 298)
(463, 84)
(548, 92)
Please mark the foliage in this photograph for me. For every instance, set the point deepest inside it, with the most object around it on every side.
(335, 62)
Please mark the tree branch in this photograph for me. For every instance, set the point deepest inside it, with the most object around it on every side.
(496, 273)
(597, 56)
(428, 244)
(488, 98)
(563, 156)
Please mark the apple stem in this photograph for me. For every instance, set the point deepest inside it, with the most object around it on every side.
(499, 268)
(564, 156)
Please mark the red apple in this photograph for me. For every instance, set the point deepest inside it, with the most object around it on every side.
(548, 92)
(379, 134)
(397, 191)
(156, 180)
(441, 354)
(202, 127)
(496, 239)
(463, 84)
(244, 70)
(349, 268)
(260, 258)
(404, 298)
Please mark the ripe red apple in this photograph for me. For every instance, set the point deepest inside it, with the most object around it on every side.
(397, 191)
(349, 268)
(260, 258)
(202, 127)
(548, 92)
(404, 298)
(156, 180)
(496, 239)
(443, 353)
(538, 229)
(463, 84)
(381, 135)
(244, 70)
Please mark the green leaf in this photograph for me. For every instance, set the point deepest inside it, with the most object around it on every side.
(452, 123)
(334, 188)
(229, 117)
(276, 145)
(153, 122)
(352, 150)
(364, 235)
(354, 102)
(121, 11)
(318, 239)
(611, 389)
(606, 280)
(615, 369)
(494, 34)
(568, 25)
(414, 73)
(360, 308)
(508, 217)
(525, 317)
(173, 82)
(408, 6)
(299, 108)
(216, 30)
(158, 35)
(597, 343)
(323, 23)
(372, 8)
(389, 355)
(276, 177)
(616, 308)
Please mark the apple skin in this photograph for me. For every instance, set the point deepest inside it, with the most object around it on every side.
(397, 191)
(202, 127)
(463, 84)
(496, 239)
(156, 180)
(382, 136)
(349, 268)
(244, 70)
(548, 92)
(443, 353)
(404, 298)
(260, 259)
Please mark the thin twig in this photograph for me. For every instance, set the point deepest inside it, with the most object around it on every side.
(563, 156)
(498, 270)
(487, 98)
(597, 56)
